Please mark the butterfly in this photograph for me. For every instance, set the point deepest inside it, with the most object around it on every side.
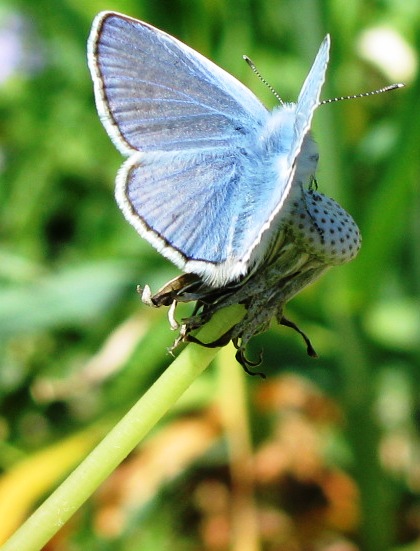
(211, 172)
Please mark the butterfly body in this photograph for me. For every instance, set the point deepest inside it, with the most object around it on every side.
(211, 173)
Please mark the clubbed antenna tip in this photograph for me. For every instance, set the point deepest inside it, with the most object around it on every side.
(262, 79)
(364, 94)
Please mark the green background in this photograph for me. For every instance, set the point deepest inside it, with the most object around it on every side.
(77, 347)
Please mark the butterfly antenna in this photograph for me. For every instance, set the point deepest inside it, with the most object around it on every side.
(262, 79)
(364, 94)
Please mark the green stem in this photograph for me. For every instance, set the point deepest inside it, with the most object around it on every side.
(123, 438)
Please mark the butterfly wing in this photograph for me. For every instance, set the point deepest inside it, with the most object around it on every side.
(308, 98)
(293, 162)
(155, 93)
(191, 186)
(191, 206)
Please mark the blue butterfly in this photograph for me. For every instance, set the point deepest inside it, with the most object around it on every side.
(211, 173)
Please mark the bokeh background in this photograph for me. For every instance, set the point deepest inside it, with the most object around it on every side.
(324, 454)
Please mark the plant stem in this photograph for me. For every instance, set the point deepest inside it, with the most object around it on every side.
(123, 438)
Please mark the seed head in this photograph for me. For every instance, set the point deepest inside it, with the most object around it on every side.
(324, 229)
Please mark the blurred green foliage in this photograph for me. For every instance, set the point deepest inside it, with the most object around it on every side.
(77, 347)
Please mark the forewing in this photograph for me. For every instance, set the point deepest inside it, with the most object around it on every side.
(291, 160)
(155, 93)
(308, 98)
